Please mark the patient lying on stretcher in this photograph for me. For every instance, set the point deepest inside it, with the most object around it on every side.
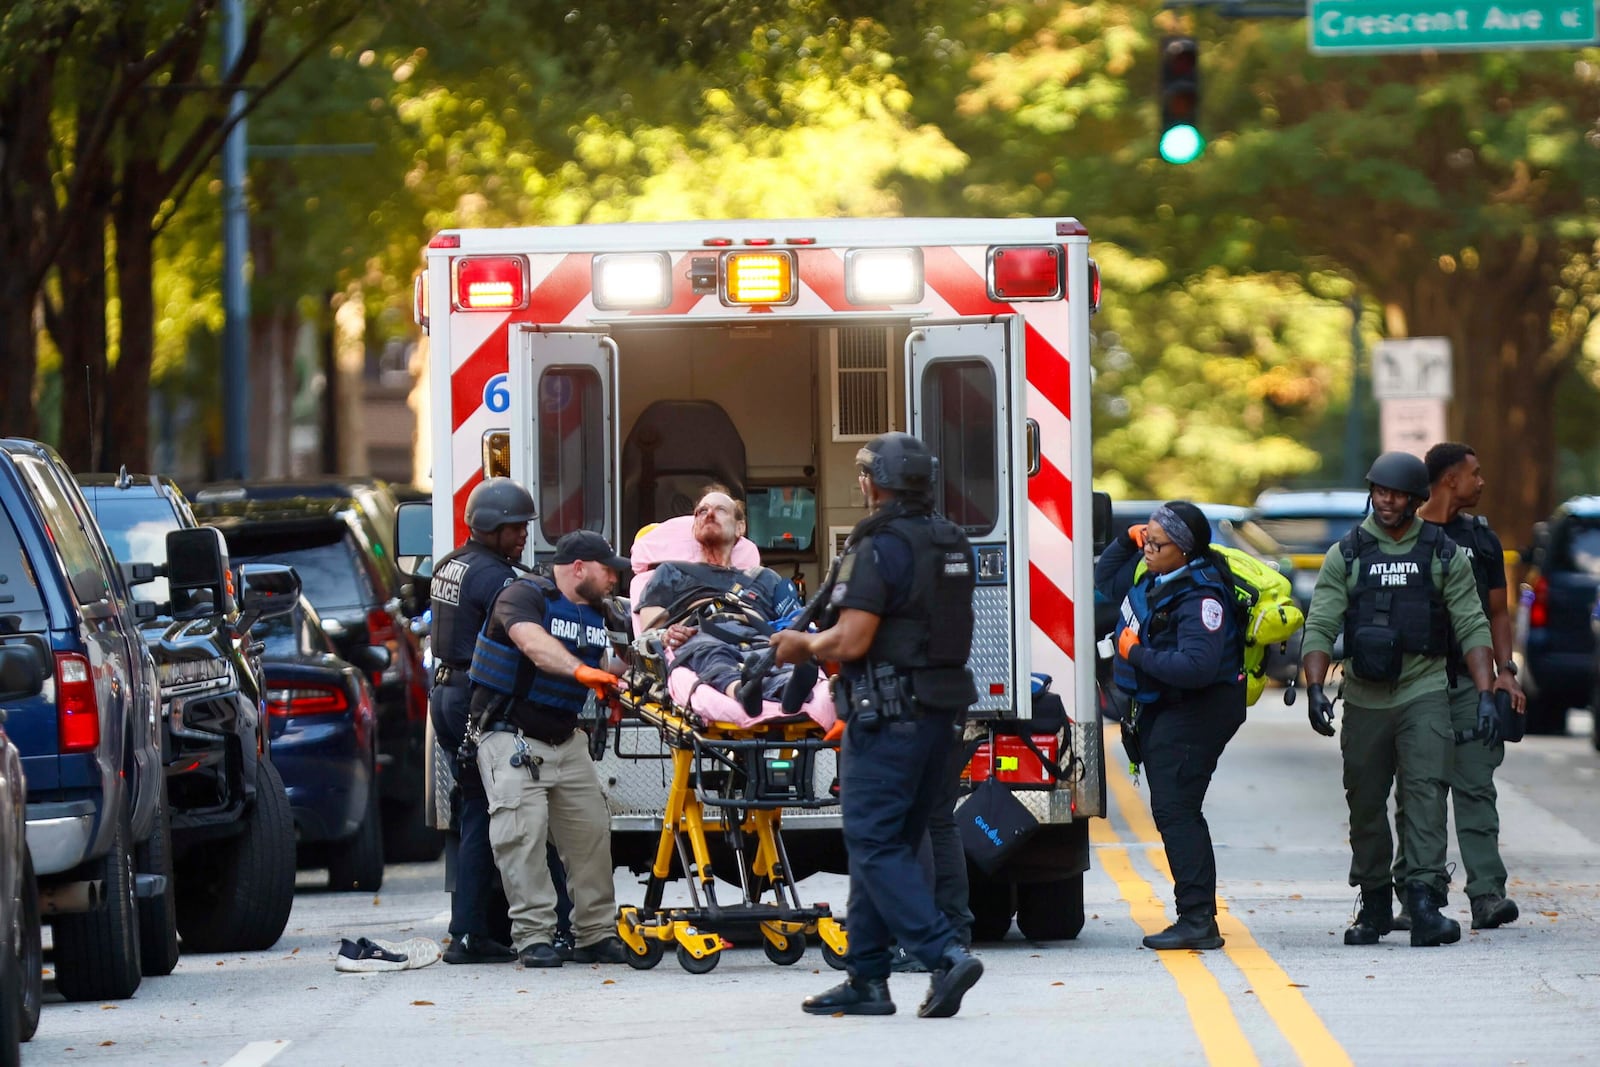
(745, 601)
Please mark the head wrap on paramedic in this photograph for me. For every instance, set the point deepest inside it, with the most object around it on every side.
(1176, 529)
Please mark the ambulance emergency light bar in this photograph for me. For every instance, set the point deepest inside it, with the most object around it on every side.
(874, 277)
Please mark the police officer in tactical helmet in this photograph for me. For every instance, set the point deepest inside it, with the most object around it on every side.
(902, 632)
(465, 583)
(1399, 589)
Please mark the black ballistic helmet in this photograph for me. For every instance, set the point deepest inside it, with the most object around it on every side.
(1400, 471)
(498, 502)
(898, 462)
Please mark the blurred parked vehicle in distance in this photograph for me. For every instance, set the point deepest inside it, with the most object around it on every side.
(324, 741)
(1553, 641)
(22, 676)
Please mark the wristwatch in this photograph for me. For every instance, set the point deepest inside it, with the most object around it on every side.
(1509, 667)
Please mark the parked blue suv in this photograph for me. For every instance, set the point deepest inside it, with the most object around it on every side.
(91, 742)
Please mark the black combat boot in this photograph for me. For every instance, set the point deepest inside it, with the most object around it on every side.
(1375, 917)
(1428, 927)
(1195, 929)
(1402, 918)
(957, 972)
(854, 996)
(1493, 910)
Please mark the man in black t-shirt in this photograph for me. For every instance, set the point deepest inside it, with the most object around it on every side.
(1457, 484)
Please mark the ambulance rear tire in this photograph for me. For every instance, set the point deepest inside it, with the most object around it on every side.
(1050, 911)
(653, 951)
(698, 964)
(788, 955)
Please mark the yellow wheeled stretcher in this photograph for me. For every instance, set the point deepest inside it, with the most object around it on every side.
(735, 779)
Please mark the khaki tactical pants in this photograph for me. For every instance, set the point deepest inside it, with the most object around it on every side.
(1474, 796)
(566, 803)
(1412, 743)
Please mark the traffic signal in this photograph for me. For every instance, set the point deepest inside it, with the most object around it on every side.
(1180, 100)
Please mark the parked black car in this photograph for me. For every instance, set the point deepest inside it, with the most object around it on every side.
(91, 741)
(233, 848)
(325, 741)
(339, 536)
(22, 676)
(1552, 640)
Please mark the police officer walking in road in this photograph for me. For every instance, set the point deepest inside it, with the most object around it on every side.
(902, 633)
(1457, 481)
(465, 582)
(537, 653)
(1397, 587)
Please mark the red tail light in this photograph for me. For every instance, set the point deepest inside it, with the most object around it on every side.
(307, 700)
(380, 628)
(491, 283)
(77, 707)
(1539, 610)
(1028, 272)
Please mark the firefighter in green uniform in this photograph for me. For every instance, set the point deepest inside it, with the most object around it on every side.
(1397, 587)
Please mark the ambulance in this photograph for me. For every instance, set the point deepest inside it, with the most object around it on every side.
(616, 369)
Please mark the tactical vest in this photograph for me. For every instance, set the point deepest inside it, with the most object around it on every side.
(504, 669)
(1149, 603)
(458, 578)
(1395, 605)
(1483, 556)
(928, 638)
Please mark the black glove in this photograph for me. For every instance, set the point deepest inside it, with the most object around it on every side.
(1319, 709)
(1488, 719)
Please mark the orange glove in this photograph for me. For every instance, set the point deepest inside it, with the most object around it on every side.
(1126, 641)
(835, 732)
(1136, 534)
(602, 682)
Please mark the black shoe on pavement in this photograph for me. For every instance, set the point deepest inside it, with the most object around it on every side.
(1428, 927)
(957, 972)
(564, 947)
(539, 954)
(1195, 930)
(1373, 917)
(853, 996)
(469, 948)
(606, 950)
(1492, 910)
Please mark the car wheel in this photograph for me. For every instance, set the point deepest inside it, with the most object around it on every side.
(406, 838)
(1545, 717)
(1050, 911)
(158, 915)
(97, 952)
(11, 999)
(30, 951)
(238, 898)
(357, 863)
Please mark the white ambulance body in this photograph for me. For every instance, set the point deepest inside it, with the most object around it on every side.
(617, 369)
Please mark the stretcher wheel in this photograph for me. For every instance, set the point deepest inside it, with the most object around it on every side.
(834, 959)
(698, 965)
(653, 951)
(783, 957)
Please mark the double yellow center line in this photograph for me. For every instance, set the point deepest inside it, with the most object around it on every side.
(1210, 1011)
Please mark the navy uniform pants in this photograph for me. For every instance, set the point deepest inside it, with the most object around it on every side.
(478, 906)
(1182, 743)
(890, 780)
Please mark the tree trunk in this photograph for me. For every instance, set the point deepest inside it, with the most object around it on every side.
(78, 328)
(18, 352)
(1506, 373)
(127, 421)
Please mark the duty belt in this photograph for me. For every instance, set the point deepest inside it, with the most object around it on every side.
(501, 726)
(444, 674)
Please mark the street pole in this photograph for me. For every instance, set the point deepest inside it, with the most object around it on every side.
(1352, 426)
(235, 253)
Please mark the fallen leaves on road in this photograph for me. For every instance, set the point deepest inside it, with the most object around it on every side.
(422, 1003)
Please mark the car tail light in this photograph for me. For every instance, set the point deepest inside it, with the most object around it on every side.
(380, 628)
(77, 706)
(307, 700)
(1539, 610)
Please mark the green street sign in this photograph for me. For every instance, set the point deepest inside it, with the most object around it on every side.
(1350, 26)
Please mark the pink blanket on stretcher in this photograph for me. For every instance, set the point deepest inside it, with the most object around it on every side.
(714, 707)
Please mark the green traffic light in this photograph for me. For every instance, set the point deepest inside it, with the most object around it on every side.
(1182, 144)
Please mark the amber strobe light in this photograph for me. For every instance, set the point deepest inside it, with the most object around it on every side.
(758, 278)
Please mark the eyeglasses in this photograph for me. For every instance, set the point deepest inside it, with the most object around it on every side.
(1151, 545)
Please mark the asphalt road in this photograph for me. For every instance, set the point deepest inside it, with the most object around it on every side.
(1284, 990)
